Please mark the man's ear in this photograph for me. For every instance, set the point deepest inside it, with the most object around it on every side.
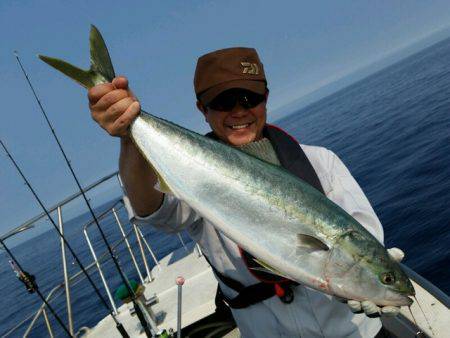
(202, 108)
(267, 94)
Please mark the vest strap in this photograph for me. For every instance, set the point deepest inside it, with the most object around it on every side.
(255, 293)
(291, 156)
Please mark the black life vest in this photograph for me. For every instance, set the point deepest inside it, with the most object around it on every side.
(292, 158)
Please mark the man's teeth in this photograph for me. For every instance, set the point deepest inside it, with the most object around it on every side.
(240, 126)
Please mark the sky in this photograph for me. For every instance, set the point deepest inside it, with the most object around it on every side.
(304, 46)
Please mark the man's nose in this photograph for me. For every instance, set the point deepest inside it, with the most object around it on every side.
(238, 110)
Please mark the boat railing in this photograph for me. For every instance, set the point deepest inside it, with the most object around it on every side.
(124, 239)
(98, 258)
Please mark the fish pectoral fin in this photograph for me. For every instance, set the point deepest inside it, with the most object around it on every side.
(266, 268)
(83, 77)
(310, 243)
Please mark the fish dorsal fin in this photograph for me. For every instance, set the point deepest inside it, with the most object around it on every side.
(310, 243)
(162, 184)
(266, 268)
(101, 70)
(163, 187)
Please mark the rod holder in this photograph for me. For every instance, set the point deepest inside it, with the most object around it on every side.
(179, 281)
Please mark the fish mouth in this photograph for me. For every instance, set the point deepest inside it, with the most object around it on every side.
(398, 299)
(410, 301)
(407, 301)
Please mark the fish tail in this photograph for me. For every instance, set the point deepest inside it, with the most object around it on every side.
(101, 70)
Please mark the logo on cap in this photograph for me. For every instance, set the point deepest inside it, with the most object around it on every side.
(250, 68)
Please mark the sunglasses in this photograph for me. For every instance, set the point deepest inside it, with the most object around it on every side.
(227, 100)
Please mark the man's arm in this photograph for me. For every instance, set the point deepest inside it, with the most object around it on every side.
(114, 107)
(138, 179)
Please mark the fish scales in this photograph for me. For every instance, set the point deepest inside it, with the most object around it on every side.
(246, 197)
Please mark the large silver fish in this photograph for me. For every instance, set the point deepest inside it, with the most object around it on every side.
(290, 227)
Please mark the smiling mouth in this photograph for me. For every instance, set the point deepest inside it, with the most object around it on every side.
(239, 126)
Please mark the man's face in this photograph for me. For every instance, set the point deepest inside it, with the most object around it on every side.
(238, 125)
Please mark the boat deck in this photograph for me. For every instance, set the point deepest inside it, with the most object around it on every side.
(199, 292)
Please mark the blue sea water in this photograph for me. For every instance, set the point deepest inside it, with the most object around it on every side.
(392, 130)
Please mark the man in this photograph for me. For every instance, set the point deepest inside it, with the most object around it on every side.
(231, 90)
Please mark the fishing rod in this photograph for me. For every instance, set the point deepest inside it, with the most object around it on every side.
(97, 223)
(119, 326)
(35, 288)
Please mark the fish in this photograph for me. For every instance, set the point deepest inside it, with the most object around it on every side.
(292, 229)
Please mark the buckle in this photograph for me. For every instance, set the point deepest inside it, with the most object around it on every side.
(288, 296)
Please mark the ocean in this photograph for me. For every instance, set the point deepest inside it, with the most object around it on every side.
(391, 129)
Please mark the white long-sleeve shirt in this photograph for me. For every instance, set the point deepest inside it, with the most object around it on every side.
(312, 313)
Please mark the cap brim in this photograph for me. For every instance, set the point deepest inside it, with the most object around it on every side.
(258, 87)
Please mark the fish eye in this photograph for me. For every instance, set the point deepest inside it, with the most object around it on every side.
(387, 278)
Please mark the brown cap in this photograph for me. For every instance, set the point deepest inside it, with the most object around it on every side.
(228, 68)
